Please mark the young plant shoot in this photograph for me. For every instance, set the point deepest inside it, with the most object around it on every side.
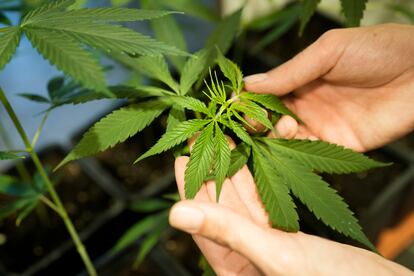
(282, 168)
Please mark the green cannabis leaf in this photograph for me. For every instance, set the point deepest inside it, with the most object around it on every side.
(61, 34)
(232, 72)
(322, 156)
(200, 162)
(175, 136)
(316, 194)
(115, 128)
(222, 159)
(278, 202)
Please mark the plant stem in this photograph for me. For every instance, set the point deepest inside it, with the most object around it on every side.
(50, 204)
(62, 211)
(39, 129)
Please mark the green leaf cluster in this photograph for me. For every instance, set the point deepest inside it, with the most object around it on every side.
(283, 169)
(126, 122)
(62, 35)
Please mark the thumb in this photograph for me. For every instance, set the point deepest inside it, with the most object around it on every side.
(234, 231)
(313, 62)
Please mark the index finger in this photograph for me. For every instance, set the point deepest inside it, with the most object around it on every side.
(307, 66)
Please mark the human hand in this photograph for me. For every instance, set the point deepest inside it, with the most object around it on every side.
(236, 238)
(353, 87)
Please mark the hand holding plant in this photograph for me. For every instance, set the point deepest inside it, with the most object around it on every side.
(352, 87)
(236, 238)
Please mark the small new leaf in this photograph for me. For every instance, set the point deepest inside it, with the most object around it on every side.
(115, 128)
(175, 136)
(200, 163)
(232, 72)
(222, 159)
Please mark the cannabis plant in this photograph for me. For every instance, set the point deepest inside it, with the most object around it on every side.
(282, 168)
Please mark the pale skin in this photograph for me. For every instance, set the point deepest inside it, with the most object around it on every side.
(353, 87)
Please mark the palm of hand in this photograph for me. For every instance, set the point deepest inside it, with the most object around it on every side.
(239, 223)
(352, 86)
(357, 118)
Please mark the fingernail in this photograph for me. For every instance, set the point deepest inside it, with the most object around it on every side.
(255, 78)
(186, 218)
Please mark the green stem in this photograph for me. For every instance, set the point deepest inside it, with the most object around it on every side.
(68, 223)
(39, 129)
(225, 106)
(50, 204)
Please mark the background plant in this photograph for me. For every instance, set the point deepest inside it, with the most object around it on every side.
(61, 34)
